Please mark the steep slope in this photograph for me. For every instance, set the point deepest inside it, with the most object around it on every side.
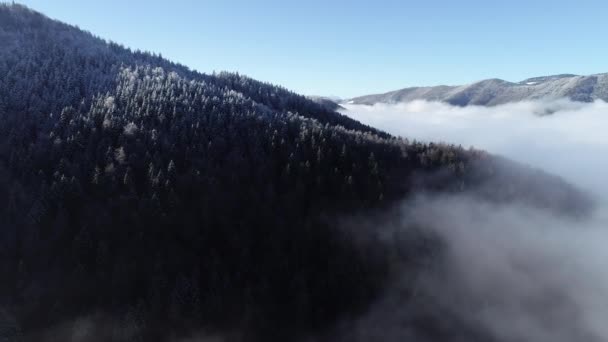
(494, 91)
(140, 200)
(36, 49)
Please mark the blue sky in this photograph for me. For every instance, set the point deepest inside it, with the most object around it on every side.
(349, 48)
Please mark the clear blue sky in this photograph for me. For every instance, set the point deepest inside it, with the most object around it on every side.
(349, 48)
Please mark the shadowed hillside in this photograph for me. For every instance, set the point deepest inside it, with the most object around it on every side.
(141, 200)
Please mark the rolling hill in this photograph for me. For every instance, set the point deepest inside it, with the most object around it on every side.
(493, 92)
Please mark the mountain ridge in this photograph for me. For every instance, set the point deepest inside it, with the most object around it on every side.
(491, 92)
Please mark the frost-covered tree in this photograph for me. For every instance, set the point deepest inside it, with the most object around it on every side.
(132, 185)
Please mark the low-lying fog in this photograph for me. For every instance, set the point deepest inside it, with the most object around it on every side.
(571, 142)
(511, 272)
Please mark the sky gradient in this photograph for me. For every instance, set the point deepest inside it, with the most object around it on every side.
(350, 48)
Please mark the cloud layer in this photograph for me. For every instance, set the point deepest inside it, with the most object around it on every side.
(571, 142)
(508, 272)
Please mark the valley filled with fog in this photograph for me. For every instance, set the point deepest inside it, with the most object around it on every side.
(561, 137)
(512, 272)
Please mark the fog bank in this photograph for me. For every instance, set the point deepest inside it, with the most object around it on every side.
(508, 272)
(571, 142)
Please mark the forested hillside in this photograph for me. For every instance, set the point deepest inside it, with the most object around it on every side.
(157, 201)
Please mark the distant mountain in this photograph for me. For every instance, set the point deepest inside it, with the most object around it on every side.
(143, 201)
(496, 91)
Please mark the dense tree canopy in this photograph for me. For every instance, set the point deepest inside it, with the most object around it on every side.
(171, 200)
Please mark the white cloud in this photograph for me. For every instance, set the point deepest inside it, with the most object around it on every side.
(572, 142)
(511, 272)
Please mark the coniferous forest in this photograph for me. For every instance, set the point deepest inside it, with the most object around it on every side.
(157, 201)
